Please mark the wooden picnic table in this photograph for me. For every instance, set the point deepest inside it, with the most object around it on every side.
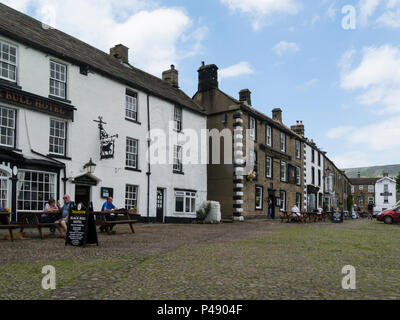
(118, 217)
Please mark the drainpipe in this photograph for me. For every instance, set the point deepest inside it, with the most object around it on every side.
(148, 162)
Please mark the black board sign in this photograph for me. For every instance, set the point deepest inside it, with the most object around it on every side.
(337, 217)
(81, 228)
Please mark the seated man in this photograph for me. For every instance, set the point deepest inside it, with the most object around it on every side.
(296, 212)
(61, 224)
(108, 207)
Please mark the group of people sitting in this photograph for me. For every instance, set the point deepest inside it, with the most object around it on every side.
(51, 214)
(296, 213)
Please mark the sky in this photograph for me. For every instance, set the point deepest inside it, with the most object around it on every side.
(334, 64)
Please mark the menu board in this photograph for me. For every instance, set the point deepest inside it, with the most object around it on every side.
(337, 217)
(81, 229)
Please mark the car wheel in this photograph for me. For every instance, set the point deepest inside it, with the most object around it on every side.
(388, 220)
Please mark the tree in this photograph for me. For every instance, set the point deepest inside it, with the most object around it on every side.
(350, 202)
(398, 182)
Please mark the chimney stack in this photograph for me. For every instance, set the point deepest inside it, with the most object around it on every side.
(359, 174)
(171, 77)
(277, 114)
(208, 77)
(245, 96)
(386, 174)
(298, 128)
(120, 52)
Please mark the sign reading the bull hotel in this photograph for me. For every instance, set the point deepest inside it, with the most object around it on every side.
(52, 87)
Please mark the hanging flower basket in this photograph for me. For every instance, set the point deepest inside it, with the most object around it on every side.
(252, 176)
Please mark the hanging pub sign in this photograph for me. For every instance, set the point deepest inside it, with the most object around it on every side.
(81, 228)
(34, 102)
(107, 142)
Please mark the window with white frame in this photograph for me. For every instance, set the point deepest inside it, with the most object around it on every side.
(283, 171)
(283, 142)
(283, 200)
(352, 189)
(131, 196)
(268, 135)
(298, 149)
(8, 61)
(298, 176)
(268, 167)
(7, 127)
(178, 118)
(298, 200)
(386, 191)
(131, 106)
(371, 188)
(35, 189)
(185, 202)
(361, 187)
(58, 79)
(259, 198)
(177, 166)
(3, 190)
(132, 148)
(252, 127)
(371, 199)
(57, 143)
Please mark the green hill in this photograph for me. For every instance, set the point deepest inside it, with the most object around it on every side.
(373, 172)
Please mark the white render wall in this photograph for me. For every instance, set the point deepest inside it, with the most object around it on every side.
(379, 188)
(94, 95)
(308, 172)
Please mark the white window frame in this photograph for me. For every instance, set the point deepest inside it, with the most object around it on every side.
(371, 188)
(284, 176)
(259, 205)
(283, 142)
(9, 63)
(5, 130)
(51, 193)
(187, 196)
(58, 140)
(58, 77)
(131, 106)
(298, 149)
(178, 115)
(177, 157)
(298, 176)
(252, 128)
(268, 136)
(283, 200)
(352, 189)
(371, 199)
(361, 188)
(4, 189)
(132, 153)
(131, 196)
(268, 170)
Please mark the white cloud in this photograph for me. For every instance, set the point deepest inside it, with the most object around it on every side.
(285, 47)
(339, 132)
(237, 70)
(20, 5)
(353, 159)
(331, 12)
(261, 11)
(377, 77)
(157, 36)
(367, 9)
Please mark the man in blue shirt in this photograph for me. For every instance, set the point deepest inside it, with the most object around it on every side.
(108, 207)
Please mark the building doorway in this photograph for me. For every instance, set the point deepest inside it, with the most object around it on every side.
(160, 205)
(82, 195)
(271, 205)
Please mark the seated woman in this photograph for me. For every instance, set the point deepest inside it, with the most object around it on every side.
(296, 213)
(50, 213)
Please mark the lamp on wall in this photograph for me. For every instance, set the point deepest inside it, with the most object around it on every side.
(90, 166)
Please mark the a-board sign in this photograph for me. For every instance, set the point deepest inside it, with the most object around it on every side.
(81, 228)
(337, 217)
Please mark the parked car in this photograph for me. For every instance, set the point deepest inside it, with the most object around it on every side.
(389, 216)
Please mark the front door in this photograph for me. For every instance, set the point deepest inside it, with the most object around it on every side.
(82, 195)
(160, 205)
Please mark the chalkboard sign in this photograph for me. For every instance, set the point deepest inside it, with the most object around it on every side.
(337, 217)
(81, 228)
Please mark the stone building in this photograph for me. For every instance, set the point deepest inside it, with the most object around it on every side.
(337, 187)
(278, 153)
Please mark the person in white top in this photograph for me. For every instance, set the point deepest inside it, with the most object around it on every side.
(319, 210)
(296, 211)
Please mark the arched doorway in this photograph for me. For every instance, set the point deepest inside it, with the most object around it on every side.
(5, 189)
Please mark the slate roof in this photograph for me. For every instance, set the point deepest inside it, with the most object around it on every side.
(20, 27)
(363, 181)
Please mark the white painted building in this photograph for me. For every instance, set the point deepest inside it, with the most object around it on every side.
(313, 176)
(385, 193)
(52, 88)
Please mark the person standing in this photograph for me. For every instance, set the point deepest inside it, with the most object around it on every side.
(270, 208)
(109, 208)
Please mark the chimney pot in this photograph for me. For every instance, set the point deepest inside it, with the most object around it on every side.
(120, 52)
(359, 174)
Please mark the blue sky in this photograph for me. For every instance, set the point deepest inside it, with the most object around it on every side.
(292, 54)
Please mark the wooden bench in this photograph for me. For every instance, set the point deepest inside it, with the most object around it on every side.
(30, 220)
(285, 216)
(5, 224)
(120, 217)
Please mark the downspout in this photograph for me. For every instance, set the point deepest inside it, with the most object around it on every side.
(148, 162)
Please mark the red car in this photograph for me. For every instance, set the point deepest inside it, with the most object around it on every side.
(389, 216)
